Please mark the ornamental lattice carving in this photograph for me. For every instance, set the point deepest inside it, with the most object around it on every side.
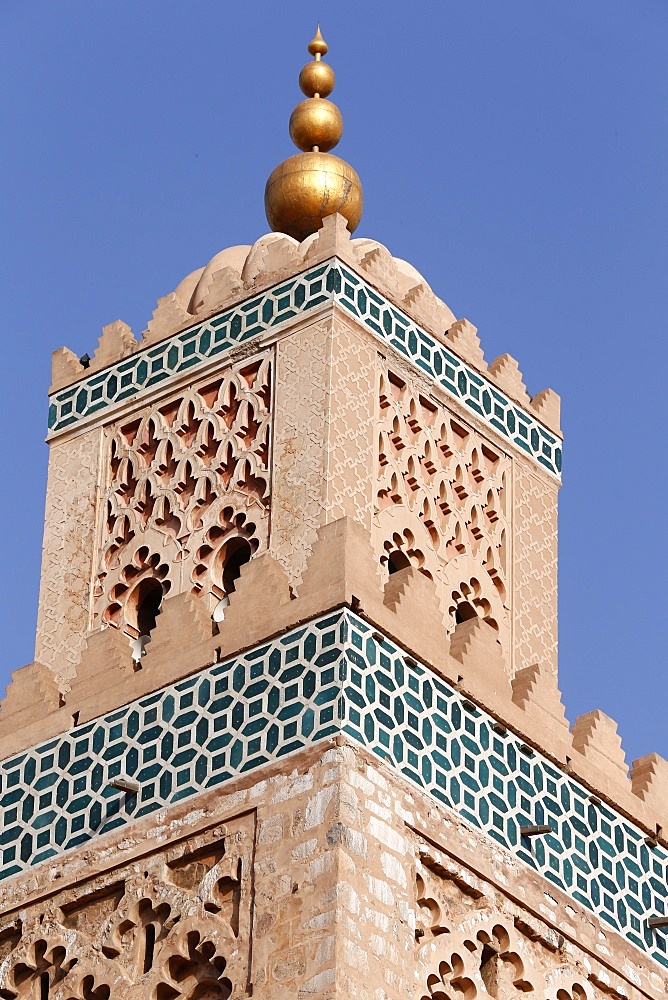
(442, 503)
(185, 480)
(176, 928)
(471, 950)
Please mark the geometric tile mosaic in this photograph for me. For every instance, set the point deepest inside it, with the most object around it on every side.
(334, 674)
(331, 281)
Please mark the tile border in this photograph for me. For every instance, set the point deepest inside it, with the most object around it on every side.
(331, 281)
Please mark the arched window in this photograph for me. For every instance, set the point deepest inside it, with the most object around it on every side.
(464, 612)
(149, 947)
(234, 555)
(146, 601)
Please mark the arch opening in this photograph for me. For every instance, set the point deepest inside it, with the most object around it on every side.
(146, 601)
(464, 612)
(236, 553)
(396, 561)
(149, 947)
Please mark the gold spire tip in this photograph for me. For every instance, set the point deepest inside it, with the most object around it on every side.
(317, 46)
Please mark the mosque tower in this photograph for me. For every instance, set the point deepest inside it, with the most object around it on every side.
(293, 728)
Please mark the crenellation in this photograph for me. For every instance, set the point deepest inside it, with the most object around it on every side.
(595, 736)
(649, 780)
(31, 693)
(463, 338)
(117, 342)
(26, 730)
(331, 240)
(428, 310)
(342, 570)
(546, 404)
(104, 674)
(169, 316)
(263, 583)
(198, 295)
(225, 287)
(31, 709)
(412, 595)
(535, 691)
(479, 662)
(271, 258)
(505, 371)
(378, 264)
(65, 369)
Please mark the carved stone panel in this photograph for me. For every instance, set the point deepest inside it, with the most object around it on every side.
(535, 512)
(67, 555)
(467, 947)
(177, 926)
(443, 504)
(187, 486)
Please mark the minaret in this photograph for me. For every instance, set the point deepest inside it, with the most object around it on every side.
(293, 728)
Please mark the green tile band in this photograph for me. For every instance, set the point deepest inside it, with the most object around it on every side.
(335, 674)
(332, 282)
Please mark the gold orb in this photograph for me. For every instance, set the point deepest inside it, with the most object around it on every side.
(306, 188)
(317, 78)
(316, 122)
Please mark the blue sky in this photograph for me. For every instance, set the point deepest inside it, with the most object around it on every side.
(514, 153)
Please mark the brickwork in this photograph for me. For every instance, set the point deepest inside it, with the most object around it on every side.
(67, 555)
(317, 781)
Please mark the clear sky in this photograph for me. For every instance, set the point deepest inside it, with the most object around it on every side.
(515, 153)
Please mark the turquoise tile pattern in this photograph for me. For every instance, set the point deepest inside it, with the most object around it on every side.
(334, 674)
(332, 281)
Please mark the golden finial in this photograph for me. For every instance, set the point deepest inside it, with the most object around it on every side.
(318, 46)
(305, 188)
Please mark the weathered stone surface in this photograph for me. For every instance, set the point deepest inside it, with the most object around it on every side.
(323, 876)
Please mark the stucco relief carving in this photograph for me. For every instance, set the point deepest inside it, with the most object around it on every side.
(350, 434)
(300, 473)
(175, 928)
(67, 557)
(442, 504)
(187, 482)
(535, 555)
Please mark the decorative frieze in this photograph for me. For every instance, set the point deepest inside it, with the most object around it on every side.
(328, 282)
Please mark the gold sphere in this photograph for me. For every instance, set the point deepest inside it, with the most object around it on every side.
(316, 122)
(317, 78)
(306, 188)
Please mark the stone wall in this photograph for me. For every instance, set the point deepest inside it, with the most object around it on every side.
(327, 877)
